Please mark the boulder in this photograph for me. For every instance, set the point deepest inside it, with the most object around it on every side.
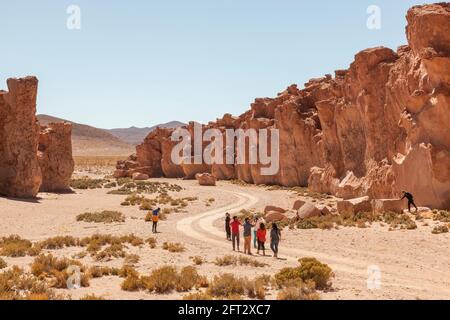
(274, 216)
(140, 176)
(298, 204)
(273, 209)
(348, 208)
(308, 210)
(205, 179)
(120, 173)
(380, 206)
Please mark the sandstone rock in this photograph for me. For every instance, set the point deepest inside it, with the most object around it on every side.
(308, 210)
(20, 174)
(298, 204)
(274, 216)
(348, 208)
(274, 209)
(205, 179)
(55, 157)
(385, 205)
(140, 176)
(120, 173)
(190, 169)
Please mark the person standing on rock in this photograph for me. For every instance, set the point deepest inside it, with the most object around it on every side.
(235, 224)
(410, 198)
(261, 234)
(275, 238)
(247, 236)
(227, 226)
(155, 218)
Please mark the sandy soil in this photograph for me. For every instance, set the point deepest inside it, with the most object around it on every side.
(413, 264)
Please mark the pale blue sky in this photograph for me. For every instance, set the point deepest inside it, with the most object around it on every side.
(146, 62)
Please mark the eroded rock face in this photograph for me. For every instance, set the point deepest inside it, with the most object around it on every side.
(55, 157)
(20, 174)
(373, 130)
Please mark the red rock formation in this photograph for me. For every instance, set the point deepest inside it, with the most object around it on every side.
(375, 129)
(55, 157)
(20, 175)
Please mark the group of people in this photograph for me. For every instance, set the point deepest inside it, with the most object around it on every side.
(233, 230)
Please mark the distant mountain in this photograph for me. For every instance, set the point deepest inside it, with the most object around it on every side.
(135, 135)
(90, 141)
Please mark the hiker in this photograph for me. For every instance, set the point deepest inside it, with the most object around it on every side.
(155, 218)
(261, 234)
(235, 224)
(227, 226)
(275, 238)
(255, 230)
(247, 236)
(410, 198)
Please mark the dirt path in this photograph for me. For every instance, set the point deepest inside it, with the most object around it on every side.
(351, 270)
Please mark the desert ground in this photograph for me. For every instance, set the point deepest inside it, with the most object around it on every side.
(413, 264)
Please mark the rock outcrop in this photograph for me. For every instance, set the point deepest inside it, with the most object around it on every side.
(205, 179)
(20, 174)
(373, 130)
(55, 157)
(31, 160)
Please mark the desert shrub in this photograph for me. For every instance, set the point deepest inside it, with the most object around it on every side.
(246, 261)
(152, 242)
(402, 221)
(255, 289)
(58, 242)
(226, 285)
(99, 271)
(56, 269)
(440, 229)
(303, 292)
(131, 283)
(87, 183)
(15, 246)
(314, 270)
(187, 279)
(227, 260)
(110, 185)
(125, 271)
(131, 259)
(102, 217)
(173, 247)
(91, 297)
(197, 260)
(3, 264)
(441, 215)
(161, 280)
(115, 250)
(197, 296)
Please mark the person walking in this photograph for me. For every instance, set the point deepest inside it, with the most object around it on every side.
(235, 224)
(275, 238)
(247, 236)
(261, 234)
(227, 226)
(155, 219)
(410, 198)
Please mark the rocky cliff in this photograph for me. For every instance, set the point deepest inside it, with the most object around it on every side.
(22, 172)
(380, 127)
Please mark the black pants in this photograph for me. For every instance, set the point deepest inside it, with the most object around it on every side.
(274, 246)
(409, 205)
(228, 231)
(261, 246)
(155, 224)
(235, 239)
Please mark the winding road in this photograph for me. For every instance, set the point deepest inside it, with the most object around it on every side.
(201, 227)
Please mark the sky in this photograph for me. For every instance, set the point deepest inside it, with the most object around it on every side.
(144, 62)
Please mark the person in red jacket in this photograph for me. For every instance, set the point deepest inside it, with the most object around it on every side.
(261, 235)
(235, 224)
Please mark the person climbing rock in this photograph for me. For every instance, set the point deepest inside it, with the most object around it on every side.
(410, 198)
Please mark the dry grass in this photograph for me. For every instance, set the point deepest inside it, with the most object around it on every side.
(58, 242)
(91, 297)
(88, 183)
(198, 296)
(441, 215)
(152, 242)
(173, 247)
(230, 260)
(197, 260)
(97, 161)
(131, 259)
(102, 217)
(302, 292)
(3, 264)
(226, 285)
(440, 229)
(15, 246)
